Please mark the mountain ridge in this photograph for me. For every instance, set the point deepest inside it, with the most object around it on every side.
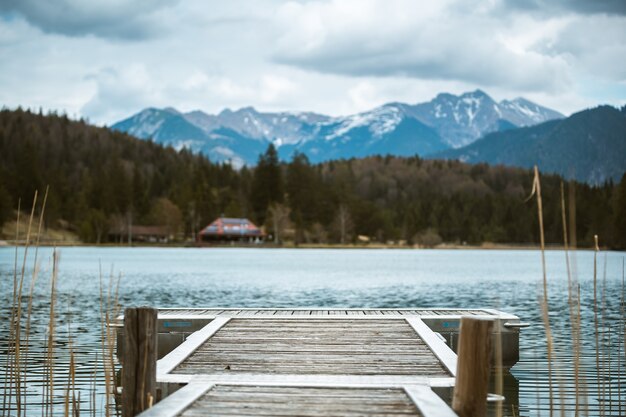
(589, 145)
(447, 121)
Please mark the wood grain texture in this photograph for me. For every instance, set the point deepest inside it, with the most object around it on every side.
(140, 358)
(231, 400)
(473, 367)
(263, 312)
(314, 346)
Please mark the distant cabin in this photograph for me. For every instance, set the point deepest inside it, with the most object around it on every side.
(226, 229)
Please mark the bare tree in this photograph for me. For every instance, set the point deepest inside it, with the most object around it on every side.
(279, 219)
(343, 223)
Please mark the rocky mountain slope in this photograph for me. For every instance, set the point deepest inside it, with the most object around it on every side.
(447, 121)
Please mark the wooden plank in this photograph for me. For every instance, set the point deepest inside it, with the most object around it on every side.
(438, 346)
(322, 380)
(280, 397)
(301, 401)
(409, 311)
(429, 403)
(176, 403)
(316, 347)
(311, 379)
(171, 360)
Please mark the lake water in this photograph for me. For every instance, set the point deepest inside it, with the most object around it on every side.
(255, 277)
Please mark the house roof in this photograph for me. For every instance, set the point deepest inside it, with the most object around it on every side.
(228, 226)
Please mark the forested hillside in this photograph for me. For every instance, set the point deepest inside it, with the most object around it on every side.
(588, 146)
(101, 180)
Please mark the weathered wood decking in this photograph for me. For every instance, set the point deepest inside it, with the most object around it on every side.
(313, 362)
(238, 312)
(267, 399)
(314, 346)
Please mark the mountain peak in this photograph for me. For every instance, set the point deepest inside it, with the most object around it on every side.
(478, 93)
(171, 110)
(444, 96)
(446, 121)
(247, 109)
(196, 113)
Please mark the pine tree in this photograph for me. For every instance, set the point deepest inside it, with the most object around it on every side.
(619, 215)
(267, 184)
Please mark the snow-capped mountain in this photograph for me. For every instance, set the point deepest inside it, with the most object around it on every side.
(447, 121)
(460, 120)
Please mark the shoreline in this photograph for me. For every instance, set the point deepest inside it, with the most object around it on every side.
(484, 246)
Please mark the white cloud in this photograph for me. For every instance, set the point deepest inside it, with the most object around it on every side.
(107, 60)
(110, 19)
(379, 38)
(594, 45)
(129, 88)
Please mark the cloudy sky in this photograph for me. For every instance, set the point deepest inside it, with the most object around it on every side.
(107, 59)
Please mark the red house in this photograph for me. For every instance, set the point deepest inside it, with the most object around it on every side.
(226, 229)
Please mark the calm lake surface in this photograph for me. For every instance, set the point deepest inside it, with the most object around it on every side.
(233, 277)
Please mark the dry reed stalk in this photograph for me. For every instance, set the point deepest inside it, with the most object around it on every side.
(544, 303)
(51, 330)
(609, 371)
(110, 375)
(498, 359)
(595, 317)
(583, 385)
(66, 403)
(604, 347)
(103, 346)
(619, 343)
(112, 333)
(72, 383)
(573, 310)
(535, 362)
(8, 375)
(69, 380)
(33, 280)
(92, 388)
(582, 390)
(108, 309)
(28, 321)
(18, 316)
(70, 394)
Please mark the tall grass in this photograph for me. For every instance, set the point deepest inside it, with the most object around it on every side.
(16, 376)
(544, 299)
(572, 298)
(604, 329)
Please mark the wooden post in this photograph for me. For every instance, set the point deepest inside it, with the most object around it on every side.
(473, 367)
(139, 360)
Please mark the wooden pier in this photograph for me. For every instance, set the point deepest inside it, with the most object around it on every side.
(313, 362)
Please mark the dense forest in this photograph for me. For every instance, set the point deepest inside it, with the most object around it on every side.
(100, 180)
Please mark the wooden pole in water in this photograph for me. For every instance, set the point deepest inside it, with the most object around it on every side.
(139, 360)
(473, 367)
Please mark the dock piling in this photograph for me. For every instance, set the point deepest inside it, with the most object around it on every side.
(139, 360)
(473, 367)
